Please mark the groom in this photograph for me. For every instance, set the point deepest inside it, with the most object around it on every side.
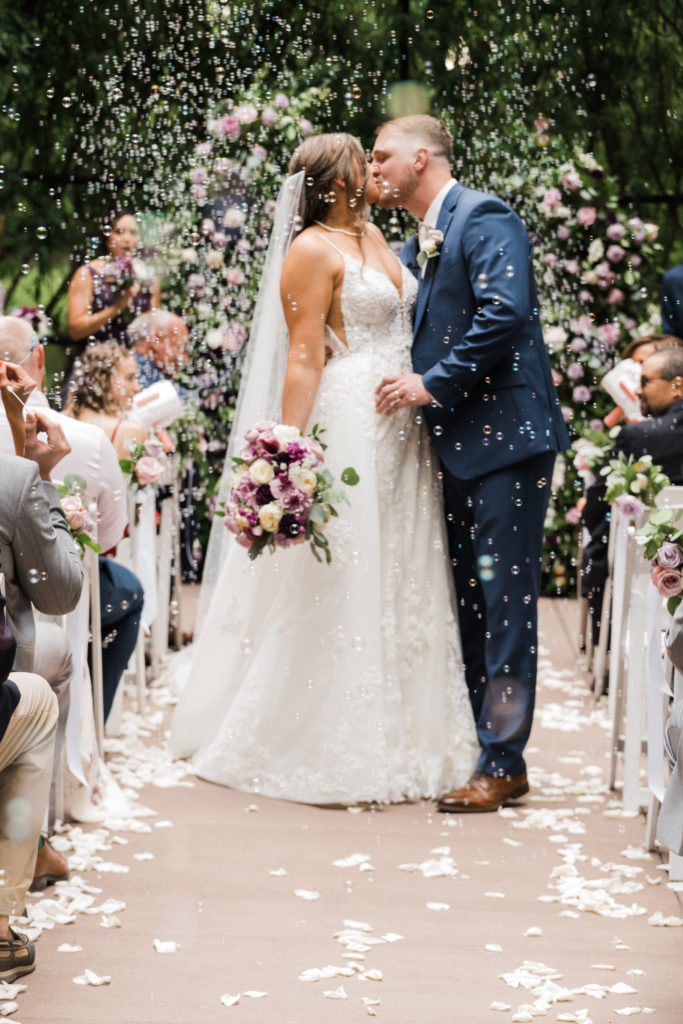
(483, 375)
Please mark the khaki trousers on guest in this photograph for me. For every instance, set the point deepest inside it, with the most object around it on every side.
(26, 752)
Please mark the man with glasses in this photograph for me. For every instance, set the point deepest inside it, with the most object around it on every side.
(660, 435)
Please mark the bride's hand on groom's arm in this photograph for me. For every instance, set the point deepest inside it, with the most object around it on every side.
(400, 391)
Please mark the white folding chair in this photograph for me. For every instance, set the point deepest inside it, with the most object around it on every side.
(167, 565)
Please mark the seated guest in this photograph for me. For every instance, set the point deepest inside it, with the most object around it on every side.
(96, 307)
(661, 436)
(92, 457)
(672, 301)
(640, 349)
(160, 345)
(38, 558)
(101, 389)
(28, 721)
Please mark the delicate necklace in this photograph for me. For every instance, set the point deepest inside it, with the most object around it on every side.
(341, 231)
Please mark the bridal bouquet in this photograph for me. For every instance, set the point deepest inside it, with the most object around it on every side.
(72, 495)
(281, 494)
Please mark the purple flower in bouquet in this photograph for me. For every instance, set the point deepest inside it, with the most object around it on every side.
(615, 253)
(630, 507)
(269, 117)
(668, 582)
(669, 555)
(586, 215)
(121, 274)
(615, 233)
(581, 394)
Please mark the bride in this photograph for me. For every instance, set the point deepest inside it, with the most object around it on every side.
(340, 683)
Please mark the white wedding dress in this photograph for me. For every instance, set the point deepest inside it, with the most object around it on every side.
(342, 683)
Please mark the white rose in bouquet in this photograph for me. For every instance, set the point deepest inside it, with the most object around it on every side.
(261, 472)
(269, 516)
(285, 434)
(304, 479)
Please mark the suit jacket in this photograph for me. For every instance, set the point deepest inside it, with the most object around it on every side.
(662, 438)
(38, 557)
(478, 341)
(672, 301)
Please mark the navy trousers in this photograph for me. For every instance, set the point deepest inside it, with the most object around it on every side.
(121, 599)
(495, 537)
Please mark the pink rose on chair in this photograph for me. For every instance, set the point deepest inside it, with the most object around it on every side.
(148, 470)
(630, 507)
(669, 582)
(74, 511)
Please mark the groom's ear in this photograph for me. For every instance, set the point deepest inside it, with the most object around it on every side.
(420, 158)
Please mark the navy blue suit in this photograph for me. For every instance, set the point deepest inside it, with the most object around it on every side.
(672, 301)
(497, 427)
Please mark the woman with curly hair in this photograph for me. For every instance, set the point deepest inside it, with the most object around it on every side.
(101, 390)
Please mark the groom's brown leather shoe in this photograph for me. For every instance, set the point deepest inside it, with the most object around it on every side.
(485, 793)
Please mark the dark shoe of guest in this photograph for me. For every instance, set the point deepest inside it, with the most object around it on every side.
(17, 957)
(51, 867)
(485, 793)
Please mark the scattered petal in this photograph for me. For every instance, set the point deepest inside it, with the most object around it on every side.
(90, 978)
(228, 1000)
(533, 931)
(371, 975)
(110, 921)
(493, 947)
(336, 993)
(66, 948)
(438, 906)
(252, 808)
(143, 856)
(658, 920)
(358, 926)
(392, 937)
(278, 873)
(307, 894)
(603, 967)
(166, 947)
(495, 1005)
(622, 989)
(352, 861)
(254, 994)
(163, 824)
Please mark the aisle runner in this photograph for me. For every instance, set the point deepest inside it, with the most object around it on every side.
(577, 884)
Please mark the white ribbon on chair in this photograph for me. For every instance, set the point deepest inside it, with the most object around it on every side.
(657, 689)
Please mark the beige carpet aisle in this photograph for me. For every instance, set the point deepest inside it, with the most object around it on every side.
(547, 912)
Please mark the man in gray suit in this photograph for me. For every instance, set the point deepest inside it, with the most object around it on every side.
(38, 558)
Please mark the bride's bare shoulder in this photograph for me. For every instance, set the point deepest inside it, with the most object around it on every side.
(310, 251)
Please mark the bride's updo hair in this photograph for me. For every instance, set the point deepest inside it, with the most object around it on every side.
(324, 158)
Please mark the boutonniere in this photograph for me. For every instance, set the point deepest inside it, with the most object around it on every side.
(429, 244)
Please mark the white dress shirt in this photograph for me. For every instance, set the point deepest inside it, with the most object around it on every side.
(92, 456)
(432, 214)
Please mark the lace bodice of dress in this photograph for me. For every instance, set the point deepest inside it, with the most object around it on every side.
(376, 316)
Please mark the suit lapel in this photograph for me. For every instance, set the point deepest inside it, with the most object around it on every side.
(425, 283)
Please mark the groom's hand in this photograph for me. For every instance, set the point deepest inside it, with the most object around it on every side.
(398, 392)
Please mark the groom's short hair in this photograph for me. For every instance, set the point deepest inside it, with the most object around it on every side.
(426, 129)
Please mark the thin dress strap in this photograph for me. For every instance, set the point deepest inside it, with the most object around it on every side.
(113, 435)
(331, 243)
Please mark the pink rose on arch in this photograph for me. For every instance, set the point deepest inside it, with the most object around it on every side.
(552, 198)
(571, 181)
(639, 237)
(615, 232)
(203, 149)
(196, 282)
(222, 165)
(585, 296)
(306, 127)
(269, 207)
(234, 337)
(198, 191)
(235, 276)
(571, 266)
(575, 371)
(668, 582)
(148, 470)
(573, 516)
(581, 463)
(635, 223)
(581, 394)
(563, 232)
(550, 259)
(615, 253)
(670, 555)
(586, 215)
(630, 324)
(583, 325)
(74, 511)
(230, 127)
(281, 101)
(651, 231)
(567, 413)
(197, 175)
(557, 377)
(608, 334)
(246, 113)
(578, 344)
(615, 297)
(243, 245)
(269, 117)
(636, 260)
(260, 153)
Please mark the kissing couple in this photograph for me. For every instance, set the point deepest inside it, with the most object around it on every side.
(406, 668)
